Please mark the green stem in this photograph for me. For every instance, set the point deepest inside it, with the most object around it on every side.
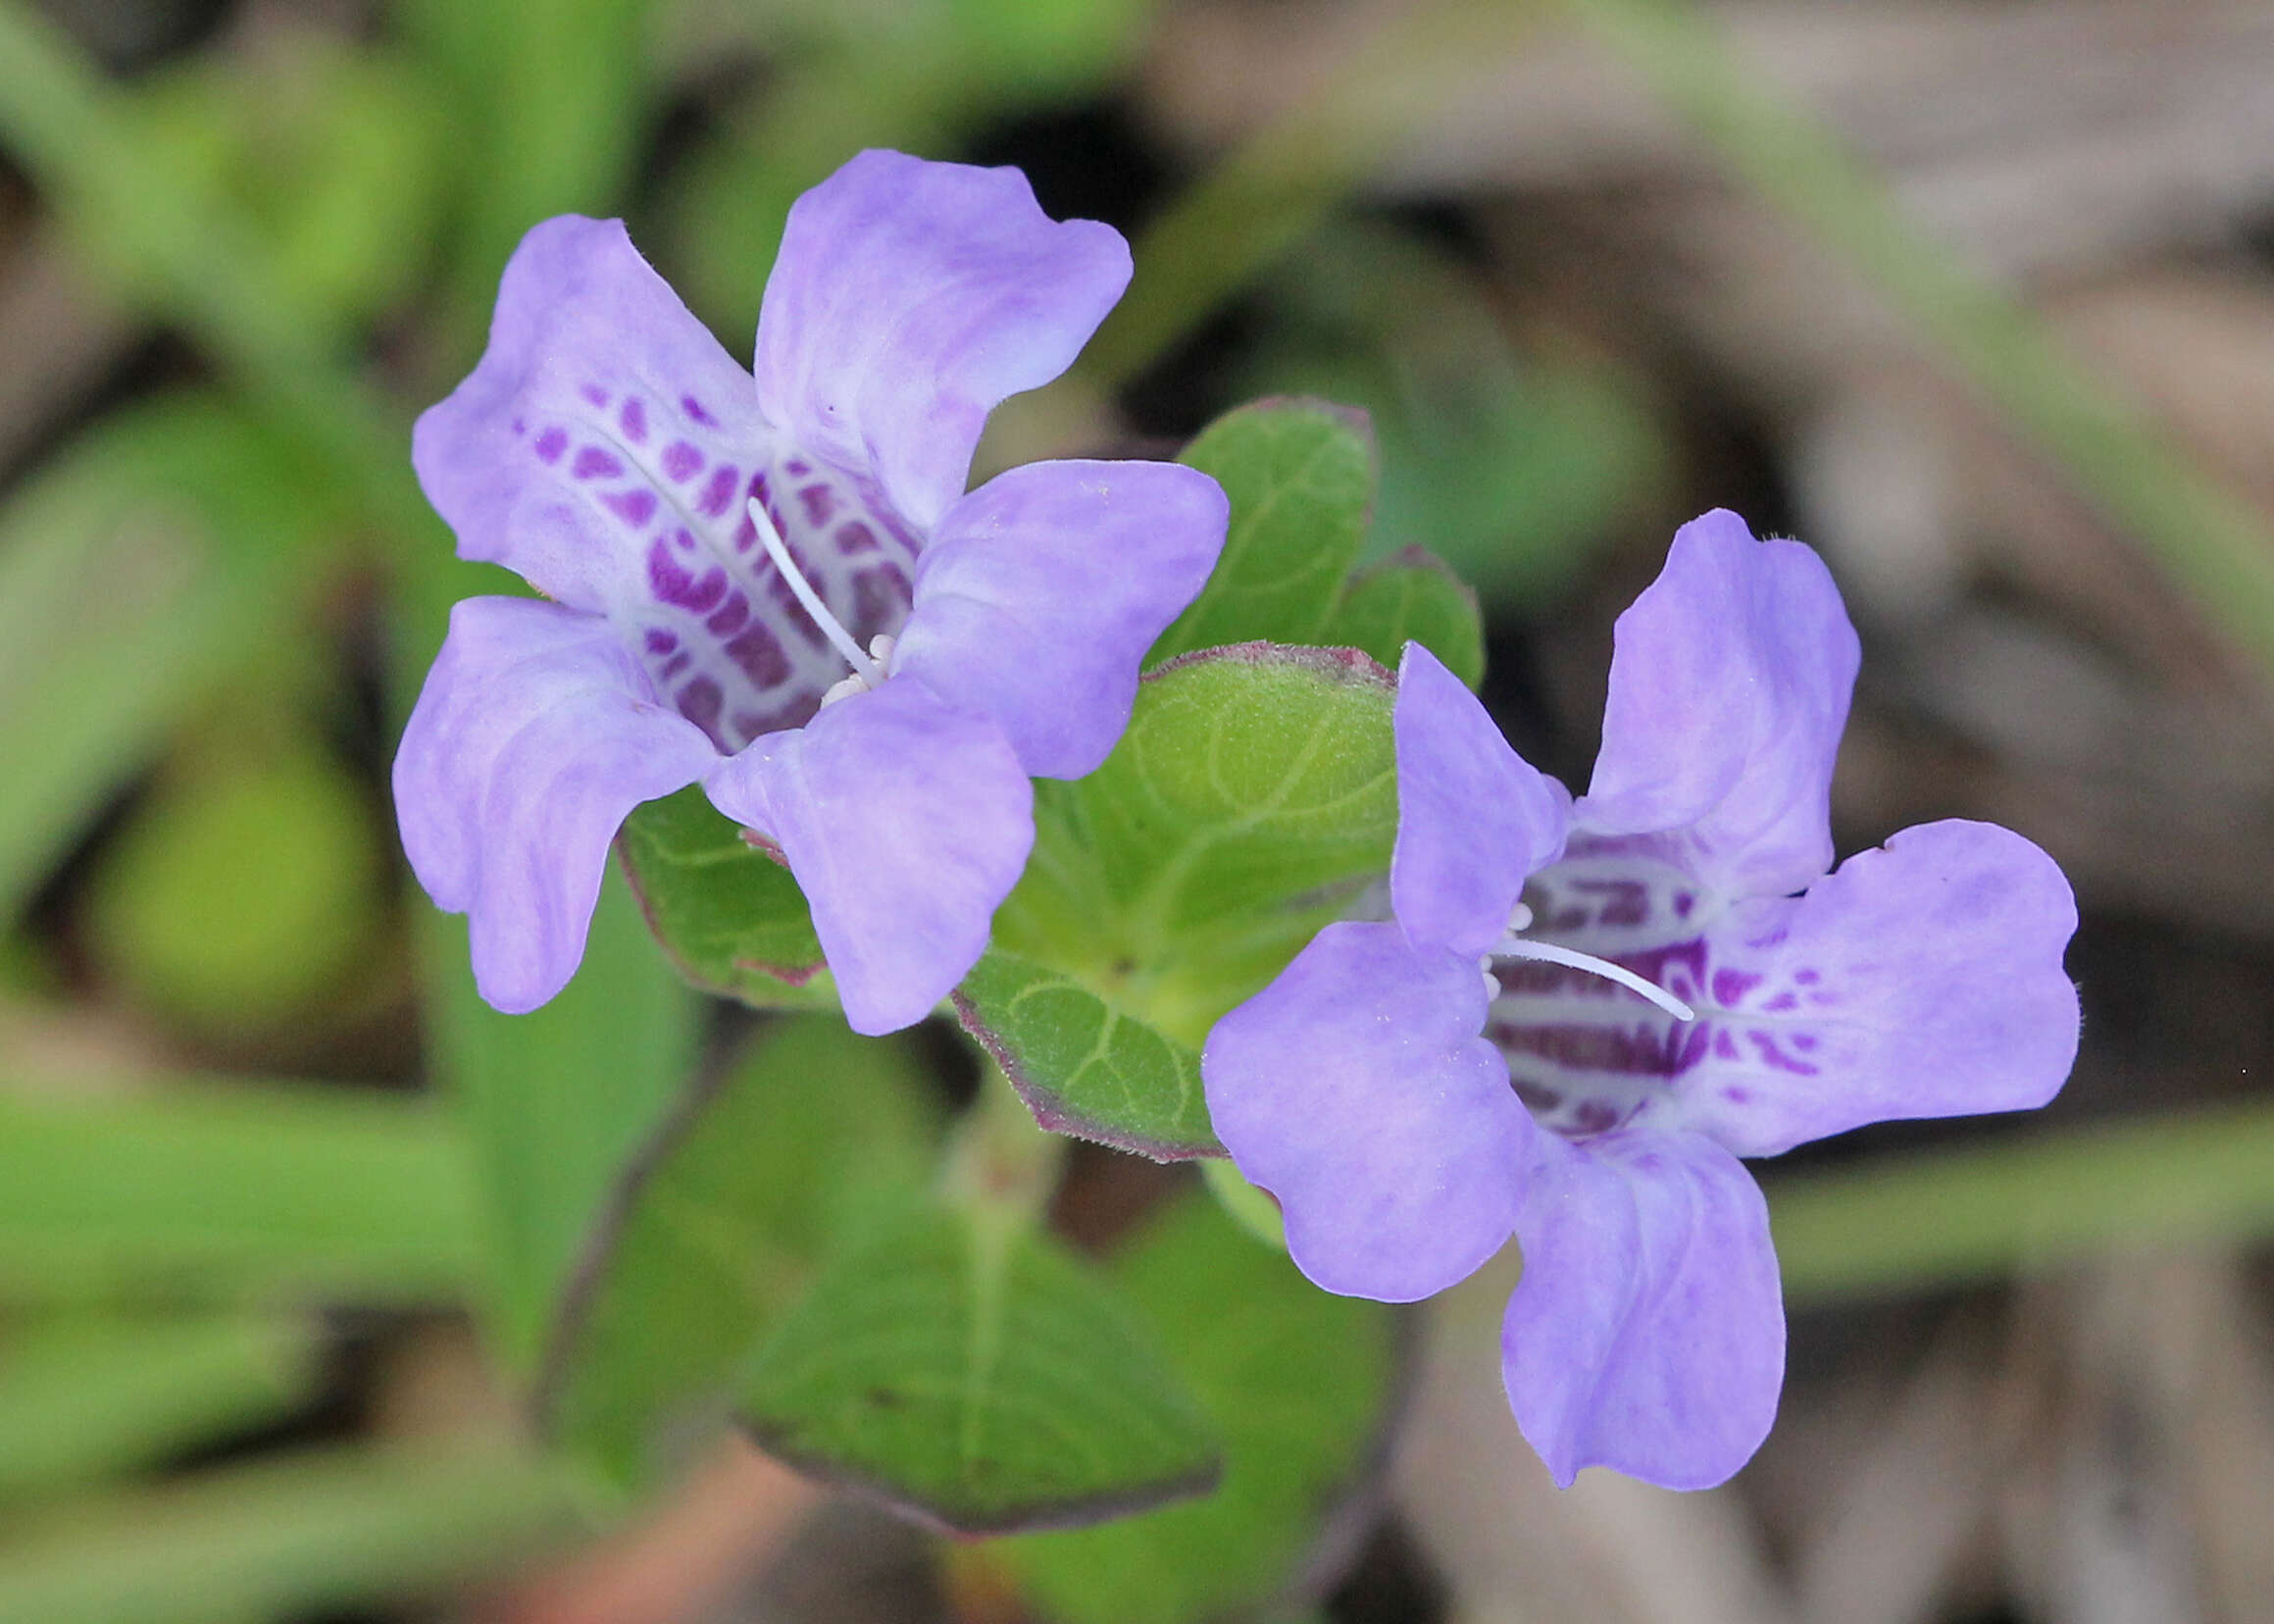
(1001, 1167)
(1981, 1213)
(2211, 543)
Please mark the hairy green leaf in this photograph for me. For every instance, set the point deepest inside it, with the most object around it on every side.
(729, 914)
(1412, 596)
(719, 1224)
(1300, 475)
(1297, 1381)
(1254, 792)
(972, 1372)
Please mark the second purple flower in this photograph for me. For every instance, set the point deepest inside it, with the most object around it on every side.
(1584, 1014)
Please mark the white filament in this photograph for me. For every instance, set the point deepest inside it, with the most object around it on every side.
(1513, 947)
(866, 669)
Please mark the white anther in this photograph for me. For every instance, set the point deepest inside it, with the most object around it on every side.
(1511, 946)
(867, 673)
(1520, 920)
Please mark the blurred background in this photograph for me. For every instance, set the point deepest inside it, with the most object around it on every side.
(1976, 296)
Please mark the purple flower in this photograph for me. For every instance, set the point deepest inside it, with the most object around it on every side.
(720, 551)
(1369, 1088)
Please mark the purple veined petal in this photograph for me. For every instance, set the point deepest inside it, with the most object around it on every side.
(599, 403)
(1730, 681)
(1647, 1331)
(1041, 590)
(1923, 979)
(906, 822)
(910, 298)
(1355, 1088)
(535, 733)
(1474, 818)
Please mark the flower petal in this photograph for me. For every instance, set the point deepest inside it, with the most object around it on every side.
(1728, 688)
(1356, 1089)
(1648, 1333)
(1041, 590)
(534, 736)
(1922, 980)
(906, 822)
(600, 405)
(1474, 818)
(908, 299)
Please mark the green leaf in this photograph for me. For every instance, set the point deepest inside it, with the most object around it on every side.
(82, 1398)
(719, 1225)
(1082, 1066)
(1297, 1381)
(557, 1102)
(292, 1537)
(971, 1372)
(133, 570)
(1254, 791)
(239, 1193)
(1412, 596)
(1302, 476)
(730, 916)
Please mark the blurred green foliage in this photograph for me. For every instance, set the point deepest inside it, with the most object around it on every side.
(242, 891)
(322, 218)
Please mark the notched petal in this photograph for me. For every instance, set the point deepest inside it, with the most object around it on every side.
(1922, 980)
(910, 298)
(1041, 590)
(1474, 818)
(1648, 1333)
(533, 738)
(602, 423)
(906, 821)
(1356, 1089)
(1728, 688)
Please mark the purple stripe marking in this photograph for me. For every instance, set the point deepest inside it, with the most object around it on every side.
(695, 412)
(700, 702)
(730, 615)
(719, 494)
(672, 583)
(632, 416)
(1667, 1050)
(595, 393)
(551, 444)
(878, 596)
(759, 657)
(1623, 901)
(636, 507)
(1772, 1055)
(592, 463)
(682, 462)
